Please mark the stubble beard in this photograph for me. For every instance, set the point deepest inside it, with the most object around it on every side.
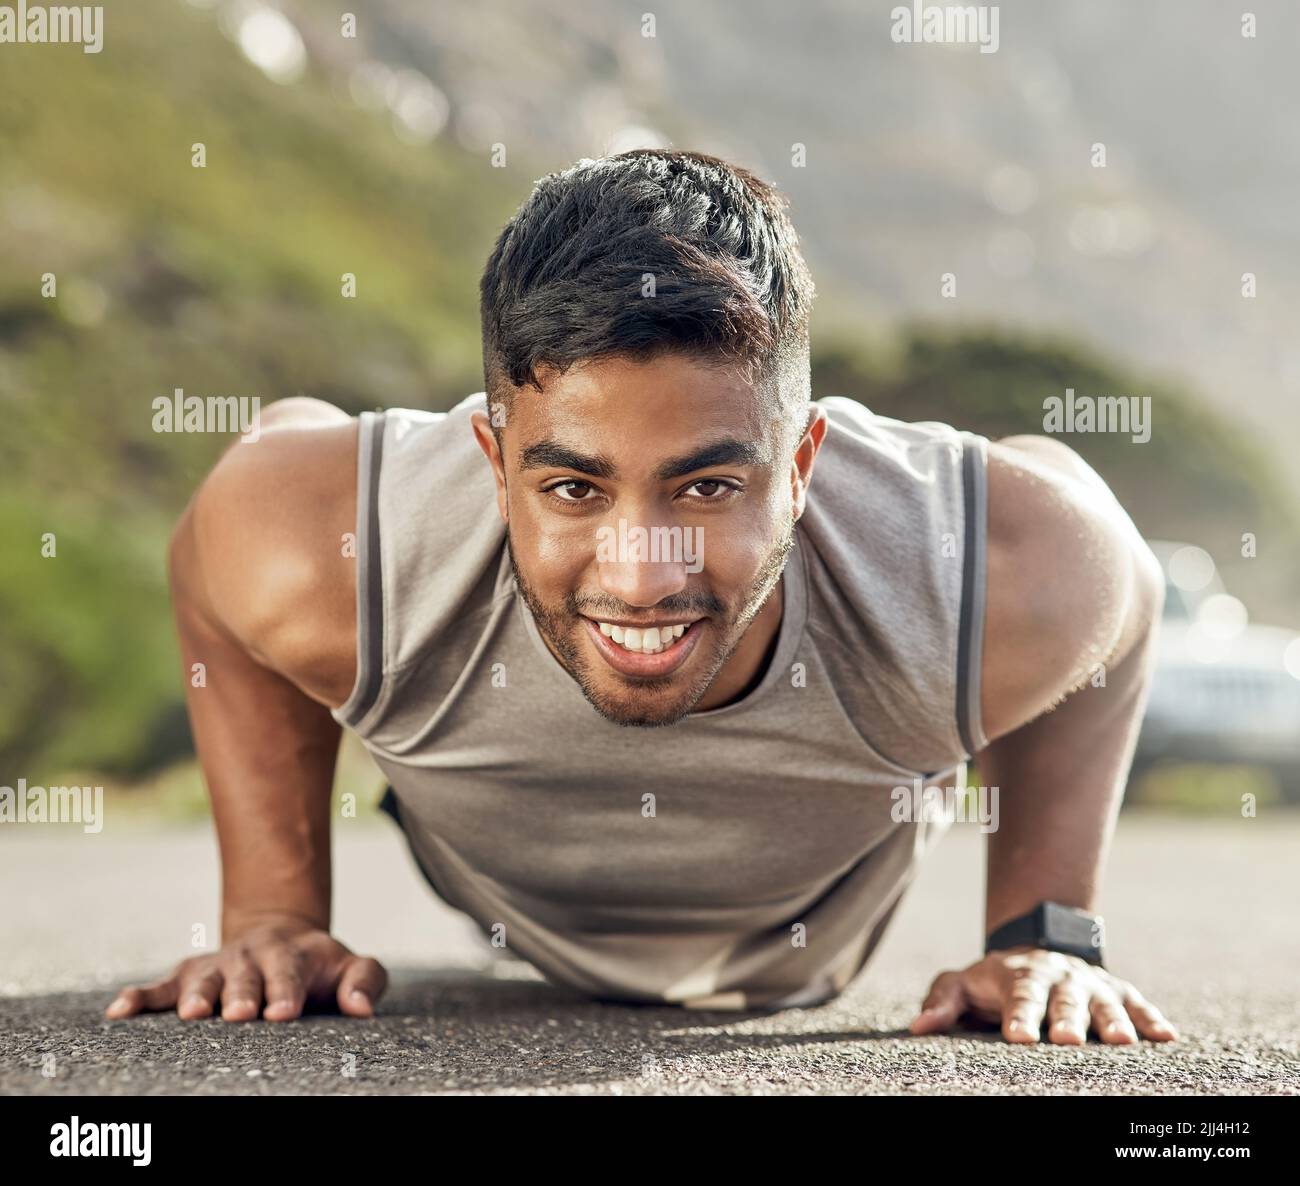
(558, 628)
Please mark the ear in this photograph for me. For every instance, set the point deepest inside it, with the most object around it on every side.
(487, 441)
(805, 454)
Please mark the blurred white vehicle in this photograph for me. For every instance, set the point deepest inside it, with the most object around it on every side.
(1225, 690)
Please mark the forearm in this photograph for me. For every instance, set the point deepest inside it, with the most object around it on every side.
(270, 794)
(268, 754)
(1060, 782)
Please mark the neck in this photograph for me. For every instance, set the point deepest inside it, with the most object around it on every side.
(749, 662)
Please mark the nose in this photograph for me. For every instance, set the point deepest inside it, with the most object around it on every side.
(640, 566)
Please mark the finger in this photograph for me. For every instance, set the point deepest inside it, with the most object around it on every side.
(241, 995)
(1024, 1004)
(945, 1003)
(1067, 1012)
(286, 990)
(1111, 1021)
(361, 985)
(1150, 1022)
(199, 989)
(144, 998)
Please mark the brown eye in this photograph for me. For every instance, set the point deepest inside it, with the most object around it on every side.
(582, 487)
(715, 489)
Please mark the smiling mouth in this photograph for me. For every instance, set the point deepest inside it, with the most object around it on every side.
(643, 640)
(650, 651)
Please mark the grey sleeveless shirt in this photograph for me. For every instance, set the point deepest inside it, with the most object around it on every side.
(749, 856)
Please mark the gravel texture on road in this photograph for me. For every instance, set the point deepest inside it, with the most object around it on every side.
(1199, 913)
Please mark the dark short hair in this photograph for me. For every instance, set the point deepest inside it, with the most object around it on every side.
(565, 280)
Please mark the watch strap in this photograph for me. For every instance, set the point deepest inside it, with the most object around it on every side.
(1053, 927)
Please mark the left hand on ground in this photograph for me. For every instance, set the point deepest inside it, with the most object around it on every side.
(1025, 988)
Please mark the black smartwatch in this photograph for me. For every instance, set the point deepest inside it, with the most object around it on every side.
(1056, 928)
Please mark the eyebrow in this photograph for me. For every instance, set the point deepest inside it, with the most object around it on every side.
(553, 455)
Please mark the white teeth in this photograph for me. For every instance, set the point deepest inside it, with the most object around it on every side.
(643, 642)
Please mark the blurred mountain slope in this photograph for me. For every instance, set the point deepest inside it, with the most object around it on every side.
(924, 159)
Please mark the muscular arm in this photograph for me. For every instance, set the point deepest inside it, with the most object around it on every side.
(1073, 594)
(264, 600)
(1074, 598)
(263, 597)
(268, 754)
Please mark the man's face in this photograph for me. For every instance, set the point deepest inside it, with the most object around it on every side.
(643, 497)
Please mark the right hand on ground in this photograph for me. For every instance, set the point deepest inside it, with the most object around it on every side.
(272, 969)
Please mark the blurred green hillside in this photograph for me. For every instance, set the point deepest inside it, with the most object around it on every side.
(226, 281)
(222, 281)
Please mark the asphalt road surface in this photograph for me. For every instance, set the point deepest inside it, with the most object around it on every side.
(1201, 915)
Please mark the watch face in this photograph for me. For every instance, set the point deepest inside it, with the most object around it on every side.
(1077, 930)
